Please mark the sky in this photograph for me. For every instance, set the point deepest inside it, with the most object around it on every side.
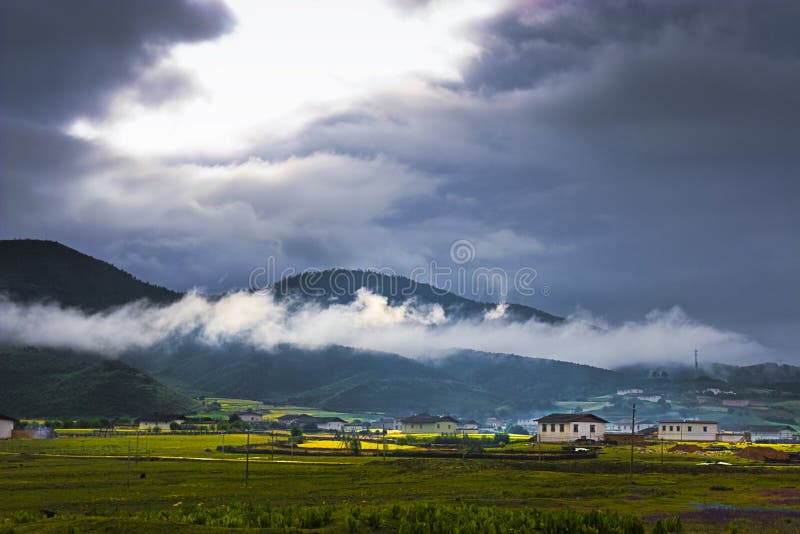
(638, 156)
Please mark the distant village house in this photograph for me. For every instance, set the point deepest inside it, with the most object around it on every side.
(429, 424)
(564, 427)
(160, 422)
(688, 430)
(249, 416)
(6, 426)
(771, 433)
(467, 427)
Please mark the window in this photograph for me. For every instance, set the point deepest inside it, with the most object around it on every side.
(670, 428)
(591, 429)
(561, 428)
(437, 425)
(678, 428)
(664, 428)
(552, 428)
(544, 428)
(575, 428)
(688, 429)
(705, 429)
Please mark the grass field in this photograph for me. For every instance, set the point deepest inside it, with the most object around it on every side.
(96, 493)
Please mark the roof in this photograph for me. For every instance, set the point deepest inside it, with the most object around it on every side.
(7, 418)
(689, 421)
(424, 418)
(248, 412)
(571, 418)
(331, 420)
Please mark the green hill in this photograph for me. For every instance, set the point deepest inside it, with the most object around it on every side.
(339, 286)
(33, 270)
(58, 383)
(346, 379)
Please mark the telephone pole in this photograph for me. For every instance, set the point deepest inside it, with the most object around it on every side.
(247, 460)
(633, 434)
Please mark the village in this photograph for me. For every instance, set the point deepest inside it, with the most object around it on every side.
(583, 428)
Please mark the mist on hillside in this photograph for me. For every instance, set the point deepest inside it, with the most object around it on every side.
(371, 323)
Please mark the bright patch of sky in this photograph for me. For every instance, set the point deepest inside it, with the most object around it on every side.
(284, 64)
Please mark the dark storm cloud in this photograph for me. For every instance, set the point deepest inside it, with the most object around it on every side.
(60, 59)
(655, 143)
(638, 154)
(538, 40)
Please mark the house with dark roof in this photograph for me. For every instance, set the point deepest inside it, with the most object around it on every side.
(564, 427)
(335, 424)
(424, 423)
(6, 426)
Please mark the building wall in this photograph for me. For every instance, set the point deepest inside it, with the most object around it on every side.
(6, 427)
(333, 425)
(443, 427)
(688, 431)
(771, 436)
(561, 432)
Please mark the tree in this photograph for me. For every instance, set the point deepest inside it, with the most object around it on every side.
(516, 429)
(296, 434)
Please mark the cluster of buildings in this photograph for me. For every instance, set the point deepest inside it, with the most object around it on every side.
(559, 427)
(422, 423)
(552, 428)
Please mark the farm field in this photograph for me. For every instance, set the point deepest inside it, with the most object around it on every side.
(166, 489)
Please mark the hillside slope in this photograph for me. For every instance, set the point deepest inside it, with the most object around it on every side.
(56, 383)
(33, 270)
(341, 378)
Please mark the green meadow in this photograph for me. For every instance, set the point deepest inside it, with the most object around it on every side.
(181, 482)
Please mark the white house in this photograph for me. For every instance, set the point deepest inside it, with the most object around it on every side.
(334, 424)
(562, 427)
(250, 417)
(429, 424)
(771, 433)
(6, 426)
(385, 423)
(688, 430)
(467, 427)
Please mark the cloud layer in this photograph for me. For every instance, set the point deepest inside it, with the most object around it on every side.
(371, 323)
(639, 154)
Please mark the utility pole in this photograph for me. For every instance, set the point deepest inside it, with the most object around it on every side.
(247, 460)
(128, 478)
(633, 434)
(136, 455)
(539, 440)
